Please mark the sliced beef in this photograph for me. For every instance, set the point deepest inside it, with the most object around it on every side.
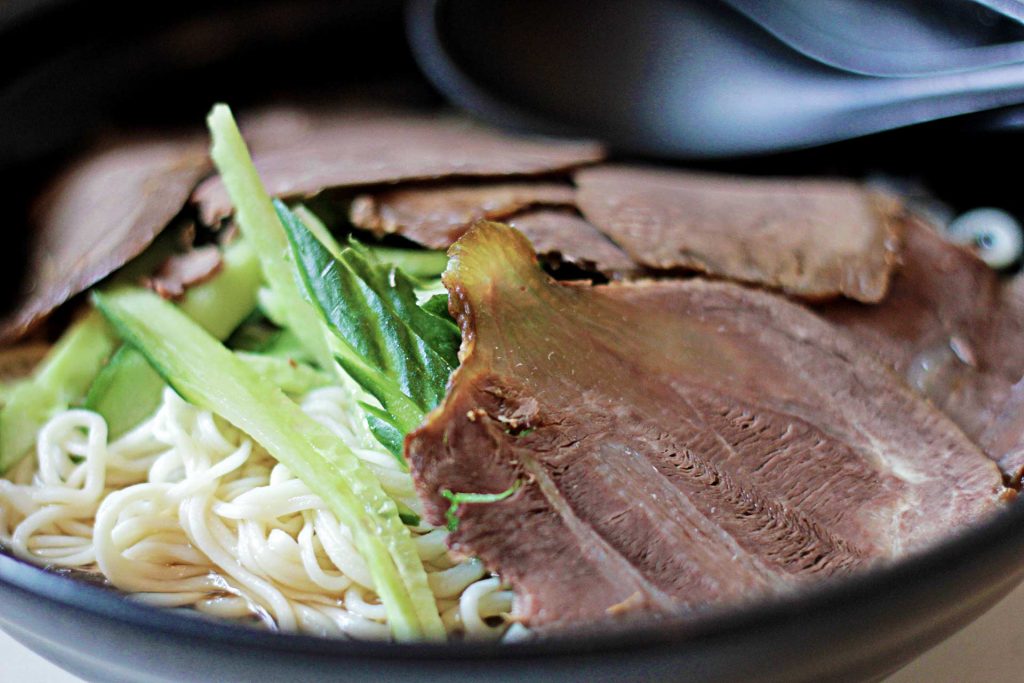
(563, 235)
(1003, 436)
(679, 444)
(810, 238)
(437, 216)
(946, 326)
(300, 154)
(102, 211)
(181, 271)
(1002, 348)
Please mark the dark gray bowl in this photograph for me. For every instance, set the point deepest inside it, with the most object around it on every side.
(855, 630)
(115, 68)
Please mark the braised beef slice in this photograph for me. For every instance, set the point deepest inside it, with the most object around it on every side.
(102, 211)
(814, 239)
(680, 443)
(300, 154)
(1003, 436)
(437, 216)
(946, 326)
(181, 271)
(571, 239)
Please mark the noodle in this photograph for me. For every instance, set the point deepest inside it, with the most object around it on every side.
(185, 511)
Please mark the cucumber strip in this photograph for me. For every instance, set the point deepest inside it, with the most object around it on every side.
(286, 345)
(61, 379)
(128, 390)
(422, 264)
(290, 377)
(317, 227)
(206, 373)
(258, 222)
(221, 304)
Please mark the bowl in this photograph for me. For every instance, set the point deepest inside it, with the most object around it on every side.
(121, 69)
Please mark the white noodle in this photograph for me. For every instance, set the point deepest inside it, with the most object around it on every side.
(186, 511)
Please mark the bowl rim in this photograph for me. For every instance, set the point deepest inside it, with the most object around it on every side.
(1001, 535)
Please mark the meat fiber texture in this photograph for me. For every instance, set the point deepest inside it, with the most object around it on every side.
(104, 209)
(678, 444)
(437, 216)
(952, 329)
(301, 153)
(814, 239)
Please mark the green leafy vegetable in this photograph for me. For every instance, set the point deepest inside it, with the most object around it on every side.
(457, 499)
(210, 376)
(396, 350)
(420, 264)
(61, 379)
(437, 305)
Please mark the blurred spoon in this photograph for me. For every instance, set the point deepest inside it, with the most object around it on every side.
(693, 79)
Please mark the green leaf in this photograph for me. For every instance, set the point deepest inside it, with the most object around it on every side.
(317, 227)
(457, 499)
(207, 374)
(393, 348)
(383, 428)
(437, 305)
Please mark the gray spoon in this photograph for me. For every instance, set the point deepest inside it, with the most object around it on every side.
(707, 79)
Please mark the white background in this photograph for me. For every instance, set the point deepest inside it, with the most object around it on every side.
(987, 651)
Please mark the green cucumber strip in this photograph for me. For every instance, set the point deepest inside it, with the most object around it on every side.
(418, 263)
(222, 303)
(288, 376)
(210, 376)
(61, 379)
(128, 390)
(259, 224)
(286, 345)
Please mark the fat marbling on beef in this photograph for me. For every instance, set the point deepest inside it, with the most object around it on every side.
(679, 443)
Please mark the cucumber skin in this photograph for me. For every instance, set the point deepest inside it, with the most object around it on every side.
(62, 378)
(127, 390)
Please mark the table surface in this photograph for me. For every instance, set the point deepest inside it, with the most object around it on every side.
(987, 650)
